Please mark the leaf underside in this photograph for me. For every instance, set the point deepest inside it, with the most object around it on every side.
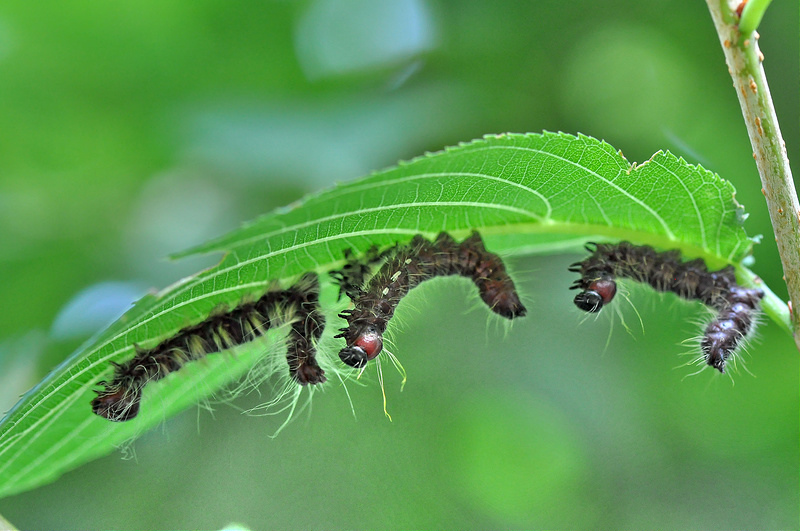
(533, 193)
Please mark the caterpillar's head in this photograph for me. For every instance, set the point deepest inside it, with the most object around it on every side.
(366, 347)
(596, 295)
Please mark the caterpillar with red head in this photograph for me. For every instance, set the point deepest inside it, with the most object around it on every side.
(404, 268)
(223, 329)
(736, 306)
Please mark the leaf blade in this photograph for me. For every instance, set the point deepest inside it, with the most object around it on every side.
(525, 193)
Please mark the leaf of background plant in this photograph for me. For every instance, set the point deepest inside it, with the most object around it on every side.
(525, 193)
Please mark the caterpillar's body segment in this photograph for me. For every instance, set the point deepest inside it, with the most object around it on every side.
(404, 268)
(352, 276)
(307, 327)
(222, 330)
(736, 306)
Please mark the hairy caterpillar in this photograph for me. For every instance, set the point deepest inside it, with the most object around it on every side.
(736, 306)
(404, 268)
(352, 275)
(223, 329)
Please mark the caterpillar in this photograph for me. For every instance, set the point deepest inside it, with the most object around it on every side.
(405, 267)
(223, 329)
(352, 275)
(735, 305)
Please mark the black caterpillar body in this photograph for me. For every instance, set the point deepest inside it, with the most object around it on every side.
(404, 268)
(299, 305)
(736, 306)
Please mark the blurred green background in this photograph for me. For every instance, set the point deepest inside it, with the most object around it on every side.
(132, 130)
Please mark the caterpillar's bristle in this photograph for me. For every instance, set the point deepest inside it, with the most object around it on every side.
(118, 404)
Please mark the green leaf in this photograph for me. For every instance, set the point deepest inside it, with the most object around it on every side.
(535, 193)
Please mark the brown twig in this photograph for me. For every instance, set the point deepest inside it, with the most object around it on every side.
(769, 150)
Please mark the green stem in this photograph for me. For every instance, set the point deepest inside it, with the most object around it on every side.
(751, 15)
(769, 150)
(772, 305)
